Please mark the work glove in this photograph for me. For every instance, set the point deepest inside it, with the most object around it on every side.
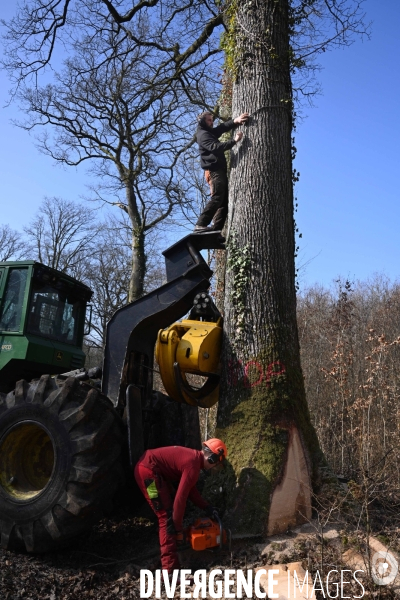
(211, 512)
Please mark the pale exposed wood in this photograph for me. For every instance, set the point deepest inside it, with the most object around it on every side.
(291, 499)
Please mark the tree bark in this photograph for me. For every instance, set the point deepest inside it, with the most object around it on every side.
(138, 269)
(262, 415)
(136, 282)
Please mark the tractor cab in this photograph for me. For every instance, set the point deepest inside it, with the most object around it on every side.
(42, 321)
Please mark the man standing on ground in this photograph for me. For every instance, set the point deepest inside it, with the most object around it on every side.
(155, 472)
(213, 161)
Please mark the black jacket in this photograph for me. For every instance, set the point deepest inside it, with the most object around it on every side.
(212, 155)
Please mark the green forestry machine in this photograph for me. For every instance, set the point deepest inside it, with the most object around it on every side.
(66, 434)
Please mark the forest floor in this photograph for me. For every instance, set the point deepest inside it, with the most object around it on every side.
(106, 563)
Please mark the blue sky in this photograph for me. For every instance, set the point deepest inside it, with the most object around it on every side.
(348, 158)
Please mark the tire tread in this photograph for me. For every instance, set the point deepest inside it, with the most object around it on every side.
(95, 434)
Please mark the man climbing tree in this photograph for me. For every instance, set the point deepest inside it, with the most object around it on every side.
(213, 161)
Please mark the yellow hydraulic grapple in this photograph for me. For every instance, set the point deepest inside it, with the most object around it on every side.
(190, 347)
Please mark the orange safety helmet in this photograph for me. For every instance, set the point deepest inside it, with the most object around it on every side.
(217, 449)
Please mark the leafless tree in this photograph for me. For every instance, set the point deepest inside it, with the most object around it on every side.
(133, 130)
(181, 37)
(108, 271)
(108, 276)
(315, 27)
(62, 235)
(12, 245)
(350, 351)
(188, 35)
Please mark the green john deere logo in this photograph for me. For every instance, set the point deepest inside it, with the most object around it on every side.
(6, 347)
(59, 356)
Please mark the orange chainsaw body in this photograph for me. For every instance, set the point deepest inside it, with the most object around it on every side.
(205, 533)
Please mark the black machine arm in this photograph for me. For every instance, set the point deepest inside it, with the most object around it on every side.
(132, 331)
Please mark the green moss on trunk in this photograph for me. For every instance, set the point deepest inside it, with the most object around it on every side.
(256, 432)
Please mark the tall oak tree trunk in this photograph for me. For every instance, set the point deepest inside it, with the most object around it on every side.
(262, 415)
(138, 267)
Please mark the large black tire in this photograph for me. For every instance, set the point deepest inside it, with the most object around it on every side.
(60, 445)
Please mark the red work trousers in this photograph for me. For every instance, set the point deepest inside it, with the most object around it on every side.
(162, 506)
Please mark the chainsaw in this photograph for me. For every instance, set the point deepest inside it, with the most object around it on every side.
(206, 533)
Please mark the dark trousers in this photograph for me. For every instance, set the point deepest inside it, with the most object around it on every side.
(162, 506)
(217, 208)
